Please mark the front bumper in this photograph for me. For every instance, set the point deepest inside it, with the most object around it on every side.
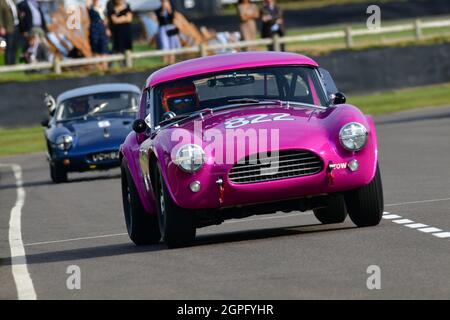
(80, 162)
(235, 195)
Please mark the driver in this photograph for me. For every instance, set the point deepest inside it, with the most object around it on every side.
(181, 99)
(79, 106)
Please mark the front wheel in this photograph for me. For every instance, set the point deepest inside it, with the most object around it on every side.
(58, 173)
(176, 224)
(365, 205)
(142, 227)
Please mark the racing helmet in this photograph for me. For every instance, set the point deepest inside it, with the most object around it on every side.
(79, 106)
(180, 99)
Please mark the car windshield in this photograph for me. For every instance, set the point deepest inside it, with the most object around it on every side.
(293, 83)
(96, 104)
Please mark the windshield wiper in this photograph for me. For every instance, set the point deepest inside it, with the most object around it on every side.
(244, 100)
(174, 119)
(97, 108)
(254, 100)
(301, 104)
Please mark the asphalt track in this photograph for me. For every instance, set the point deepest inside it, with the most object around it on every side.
(284, 256)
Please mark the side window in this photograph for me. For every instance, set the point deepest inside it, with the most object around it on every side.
(148, 109)
(143, 105)
(301, 88)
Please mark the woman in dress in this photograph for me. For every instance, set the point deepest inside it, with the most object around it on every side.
(121, 17)
(98, 32)
(248, 13)
(168, 33)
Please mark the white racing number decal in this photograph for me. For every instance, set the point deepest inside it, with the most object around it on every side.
(104, 124)
(257, 118)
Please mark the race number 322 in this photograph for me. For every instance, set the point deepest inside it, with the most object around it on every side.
(257, 118)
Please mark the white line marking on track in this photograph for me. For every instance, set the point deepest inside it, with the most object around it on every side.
(391, 216)
(416, 202)
(442, 234)
(430, 230)
(76, 239)
(402, 221)
(386, 215)
(22, 278)
(416, 225)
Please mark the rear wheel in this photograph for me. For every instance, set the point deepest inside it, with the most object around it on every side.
(365, 205)
(142, 227)
(334, 212)
(57, 172)
(176, 224)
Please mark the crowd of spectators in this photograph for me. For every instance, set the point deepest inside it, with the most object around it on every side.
(23, 26)
(270, 15)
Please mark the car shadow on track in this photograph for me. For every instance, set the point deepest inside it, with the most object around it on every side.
(33, 184)
(203, 240)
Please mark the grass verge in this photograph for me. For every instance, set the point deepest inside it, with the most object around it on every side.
(21, 140)
(29, 140)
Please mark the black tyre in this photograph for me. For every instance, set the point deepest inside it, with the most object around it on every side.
(334, 212)
(143, 228)
(365, 205)
(58, 173)
(176, 224)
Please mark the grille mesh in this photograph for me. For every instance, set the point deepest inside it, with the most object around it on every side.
(267, 167)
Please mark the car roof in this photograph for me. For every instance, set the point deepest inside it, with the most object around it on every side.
(98, 88)
(226, 62)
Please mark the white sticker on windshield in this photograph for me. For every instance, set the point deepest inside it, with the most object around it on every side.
(104, 124)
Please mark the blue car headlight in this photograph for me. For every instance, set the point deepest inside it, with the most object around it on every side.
(64, 142)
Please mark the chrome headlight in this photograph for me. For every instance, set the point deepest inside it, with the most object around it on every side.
(190, 158)
(64, 142)
(353, 136)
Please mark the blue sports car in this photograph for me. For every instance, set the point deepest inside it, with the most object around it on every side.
(86, 127)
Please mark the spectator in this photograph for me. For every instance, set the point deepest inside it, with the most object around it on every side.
(272, 22)
(168, 33)
(150, 25)
(9, 29)
(248, 13)
(109, 13)
(98, 38)
(31, 18)
(36, 51)
(121, 17)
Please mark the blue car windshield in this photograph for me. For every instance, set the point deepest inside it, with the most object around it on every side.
(96, 104)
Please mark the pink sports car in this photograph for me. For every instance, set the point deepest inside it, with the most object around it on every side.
(234, 135)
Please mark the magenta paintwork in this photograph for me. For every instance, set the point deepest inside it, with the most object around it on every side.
(318, 133)
(225, 62)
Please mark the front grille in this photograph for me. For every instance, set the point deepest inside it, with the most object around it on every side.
(267, 167)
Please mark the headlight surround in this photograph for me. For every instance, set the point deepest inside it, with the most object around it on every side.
(353, 136)
(190, 158)
(64, 142)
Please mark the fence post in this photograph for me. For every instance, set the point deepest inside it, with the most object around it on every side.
(418, 29)
(276, 43)
(56, 65)
(203, 50)
(128, 59)
(348, 37)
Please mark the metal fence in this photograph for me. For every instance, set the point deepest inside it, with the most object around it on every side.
(348, 34)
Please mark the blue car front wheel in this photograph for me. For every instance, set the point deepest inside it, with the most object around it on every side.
(58, 173)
